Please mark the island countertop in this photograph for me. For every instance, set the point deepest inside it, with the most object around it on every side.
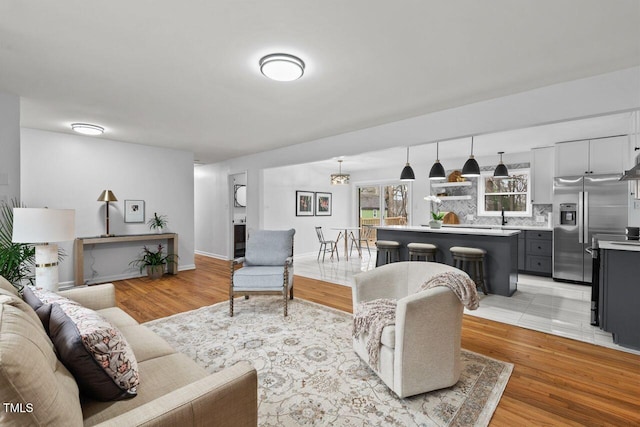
(620, 246)
(498, 232)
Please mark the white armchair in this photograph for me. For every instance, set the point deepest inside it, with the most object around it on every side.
(421, 352)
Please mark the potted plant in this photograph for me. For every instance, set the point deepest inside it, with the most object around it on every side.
(158, 222)
(154, 261)
(437, 216)
(17, 260)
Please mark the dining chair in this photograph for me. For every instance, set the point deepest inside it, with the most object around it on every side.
(366, 234)
(326, 245)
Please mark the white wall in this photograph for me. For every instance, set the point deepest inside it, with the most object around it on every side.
(604, 94)
(69, 171)
(279, 208)
(9, 147)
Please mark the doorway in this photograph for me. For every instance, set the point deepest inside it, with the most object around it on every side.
(238, 214)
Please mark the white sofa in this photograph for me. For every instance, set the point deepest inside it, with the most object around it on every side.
(421, 352)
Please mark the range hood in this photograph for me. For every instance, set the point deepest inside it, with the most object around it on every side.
(632, 174)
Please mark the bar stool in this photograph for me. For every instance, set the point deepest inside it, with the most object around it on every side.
(426, 250)
(470, 257)
(390, 249)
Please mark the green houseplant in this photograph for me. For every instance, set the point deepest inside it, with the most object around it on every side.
(17, 260)
(158, 222)
(437, 216)
(153, 261)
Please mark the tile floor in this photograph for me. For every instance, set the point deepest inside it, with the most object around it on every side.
(539, 303)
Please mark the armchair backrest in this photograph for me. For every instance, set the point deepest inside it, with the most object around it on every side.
(269, 247)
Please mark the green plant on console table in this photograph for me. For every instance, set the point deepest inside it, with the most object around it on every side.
(158, 222)
(17, 260)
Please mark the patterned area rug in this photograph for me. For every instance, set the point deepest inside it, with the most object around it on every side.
(309, 375)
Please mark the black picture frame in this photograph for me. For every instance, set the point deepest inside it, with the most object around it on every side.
(323, 204)
(304, 203)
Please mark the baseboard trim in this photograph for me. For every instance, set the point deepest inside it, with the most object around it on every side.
(212, 255)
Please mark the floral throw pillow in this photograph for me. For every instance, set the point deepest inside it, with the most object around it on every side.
(93, 350)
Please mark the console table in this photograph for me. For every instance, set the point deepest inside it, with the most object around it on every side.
(80, 242)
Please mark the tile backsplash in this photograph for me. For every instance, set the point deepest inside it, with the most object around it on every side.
(464, 208)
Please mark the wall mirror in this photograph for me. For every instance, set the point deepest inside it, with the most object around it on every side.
(240, 196)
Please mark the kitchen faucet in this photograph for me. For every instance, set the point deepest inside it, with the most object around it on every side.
(504, 221)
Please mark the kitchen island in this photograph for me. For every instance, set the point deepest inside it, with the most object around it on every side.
(501, 260)
(619, 291)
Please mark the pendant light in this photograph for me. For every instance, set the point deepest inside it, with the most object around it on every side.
(471, 167)
(501, 170)
(437, 170)
(339, 178)
(407, 173)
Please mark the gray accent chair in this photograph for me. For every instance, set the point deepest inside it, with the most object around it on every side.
(267, 266)
(421, 352)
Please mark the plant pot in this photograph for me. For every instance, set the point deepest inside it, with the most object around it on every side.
(159, 230)
(435, 224)
(155, 271)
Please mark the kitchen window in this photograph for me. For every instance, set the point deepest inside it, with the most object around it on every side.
(512, 194)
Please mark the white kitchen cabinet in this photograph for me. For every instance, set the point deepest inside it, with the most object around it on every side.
(607, 155)
(542, 173)
(596, 156)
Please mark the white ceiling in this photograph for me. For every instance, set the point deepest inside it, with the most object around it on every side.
(185, 74)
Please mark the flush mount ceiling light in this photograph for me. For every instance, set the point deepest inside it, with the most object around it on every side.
(282, 67)
(501, 170)
(437, 170)
(407, 173)
(339, 178)
(87, 129)
(471, 167)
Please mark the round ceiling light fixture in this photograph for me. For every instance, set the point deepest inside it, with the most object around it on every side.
(282, 67)
(87, 129)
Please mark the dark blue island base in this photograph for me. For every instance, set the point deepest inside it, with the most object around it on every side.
(501, 260)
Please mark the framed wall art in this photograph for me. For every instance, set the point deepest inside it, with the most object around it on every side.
(134, 211)
(323, 204)
(304, 203)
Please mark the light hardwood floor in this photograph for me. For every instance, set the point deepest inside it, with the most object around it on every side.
(555, 381)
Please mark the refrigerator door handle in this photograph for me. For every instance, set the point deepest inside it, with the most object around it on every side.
(585, 225)
(580, 217)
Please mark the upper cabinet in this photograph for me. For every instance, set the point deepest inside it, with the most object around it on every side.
(542, 175)
(596, 156)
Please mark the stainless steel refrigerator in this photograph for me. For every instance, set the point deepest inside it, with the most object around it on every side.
(584, 206)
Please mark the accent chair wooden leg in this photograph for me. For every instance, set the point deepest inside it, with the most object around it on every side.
(231, 305)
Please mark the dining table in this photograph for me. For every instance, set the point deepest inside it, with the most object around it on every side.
(344, 234)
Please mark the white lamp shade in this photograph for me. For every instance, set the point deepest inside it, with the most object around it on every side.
(41, 225)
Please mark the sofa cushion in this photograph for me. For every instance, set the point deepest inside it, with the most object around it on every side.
(269, 247)
(118, 317)
(31, 374)
(145, 344)
(19, 303)
(7, 286)
(94, 351)
(161, 375)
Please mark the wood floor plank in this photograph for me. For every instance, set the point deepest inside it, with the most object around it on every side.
(555, 381)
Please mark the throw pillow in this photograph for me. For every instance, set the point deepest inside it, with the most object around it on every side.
(42, 310)
(94, 351)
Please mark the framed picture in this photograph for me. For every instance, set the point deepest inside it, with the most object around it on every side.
(134, 211)
(304, 203)
(323, 204)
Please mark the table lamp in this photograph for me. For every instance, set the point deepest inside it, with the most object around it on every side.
(107, 196)
(42, 226)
